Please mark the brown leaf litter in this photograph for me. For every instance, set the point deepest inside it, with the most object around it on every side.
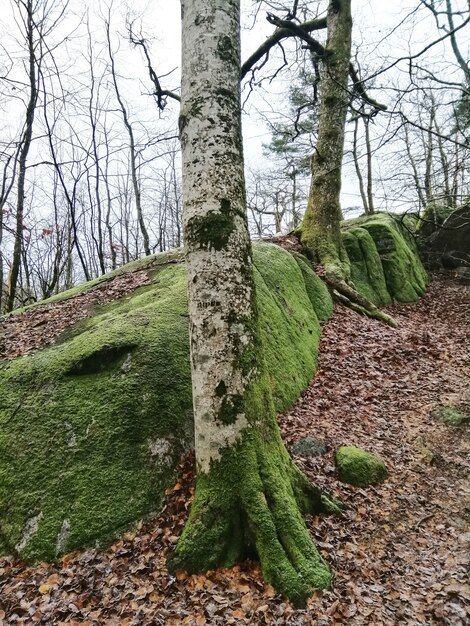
(400, 550)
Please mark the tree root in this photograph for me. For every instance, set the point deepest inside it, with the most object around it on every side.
(351, 298)
(251, 503)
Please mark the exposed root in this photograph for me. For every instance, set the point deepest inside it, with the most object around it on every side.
(251, 502)
(350, 297)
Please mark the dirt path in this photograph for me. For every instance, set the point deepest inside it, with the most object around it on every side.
(399, 552)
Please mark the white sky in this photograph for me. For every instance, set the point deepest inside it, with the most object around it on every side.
(382, 31)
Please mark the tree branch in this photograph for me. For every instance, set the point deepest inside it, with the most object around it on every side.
(278, 35)
(287, 28)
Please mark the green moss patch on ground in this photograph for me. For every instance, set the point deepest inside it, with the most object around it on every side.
(91, 428)
(358, 467)
(451, 416)
(404, 273)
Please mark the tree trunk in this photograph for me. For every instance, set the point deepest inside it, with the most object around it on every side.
(23, 156)
(358, 168)
(321, 234)
(370, 195)
(248, 491)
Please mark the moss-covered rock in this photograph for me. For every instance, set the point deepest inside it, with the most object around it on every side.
(91, 428)
(433, 217)
(366, 267)
(405, 276)
(316, 289)
(358, 467)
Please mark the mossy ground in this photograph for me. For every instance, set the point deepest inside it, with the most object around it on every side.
(451, 416)
(358, 467)
(92, 427)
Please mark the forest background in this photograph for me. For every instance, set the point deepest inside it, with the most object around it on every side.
(101, 172)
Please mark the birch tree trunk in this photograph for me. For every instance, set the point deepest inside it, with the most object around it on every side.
(249, 494)
(321, 234)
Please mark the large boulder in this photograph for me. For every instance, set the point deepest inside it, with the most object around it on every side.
(451, 241)
(405, 276)
(93, 425)
(366, 266)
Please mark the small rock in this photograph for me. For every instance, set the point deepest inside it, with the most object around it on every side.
(309, 447)
(358, 467)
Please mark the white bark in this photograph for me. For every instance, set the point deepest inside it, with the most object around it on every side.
(220, 287)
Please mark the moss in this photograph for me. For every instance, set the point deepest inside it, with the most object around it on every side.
(211, 231)
(451, 416)
(366, 268)
(404, 273)
(146, 263)
(317, 291)
(248, 504)
(252, 499)
(290, 331)
(434, 216)
(358, 467)
(91, 428)
(80, 421)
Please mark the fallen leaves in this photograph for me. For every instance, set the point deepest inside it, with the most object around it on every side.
(400, 550)
(40, 326)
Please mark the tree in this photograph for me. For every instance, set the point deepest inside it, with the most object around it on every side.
(321, 225)
(249, 494)
(30, 28)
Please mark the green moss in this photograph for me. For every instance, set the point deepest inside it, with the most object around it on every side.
(434, 216)
(289, 327)
(252, 499)
(451, 416)
(358, 467)
(404, 273)
(321, 240)
(249, 504)
(147, 263)
(366, 268)
(211, 231)
(317, 290)
(91, 428)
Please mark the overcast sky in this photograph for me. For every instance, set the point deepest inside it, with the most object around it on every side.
(383, 31)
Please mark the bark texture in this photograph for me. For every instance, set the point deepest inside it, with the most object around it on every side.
(248, 491)
(321, 225)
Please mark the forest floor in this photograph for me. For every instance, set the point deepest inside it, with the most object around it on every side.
(398, 552)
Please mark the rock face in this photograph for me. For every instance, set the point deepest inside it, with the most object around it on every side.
(93, 425)
(449, 243)
(386, 265)
(358, 467)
